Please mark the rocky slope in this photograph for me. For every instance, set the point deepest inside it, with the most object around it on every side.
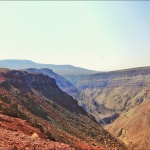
(133, 126)
(37, 99)
(63, 84)
(17, 134)
(83, 100)
(116, 91)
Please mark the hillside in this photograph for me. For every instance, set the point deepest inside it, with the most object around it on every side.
(133, 126)
(59, 69)
(63, 84)
(16, 133)
(116, 91)
(83, 100)
(37, 99)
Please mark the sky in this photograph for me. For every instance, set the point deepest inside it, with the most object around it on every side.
(97, 35)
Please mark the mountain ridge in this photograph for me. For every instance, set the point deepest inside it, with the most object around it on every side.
(59, 69)
(63, 84)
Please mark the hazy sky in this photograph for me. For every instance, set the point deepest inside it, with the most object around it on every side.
(95, 35)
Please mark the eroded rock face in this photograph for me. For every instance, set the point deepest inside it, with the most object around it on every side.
(37, 99)
(114, 92)
(132, 127)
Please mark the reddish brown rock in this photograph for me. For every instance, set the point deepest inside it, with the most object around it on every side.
(17, 134)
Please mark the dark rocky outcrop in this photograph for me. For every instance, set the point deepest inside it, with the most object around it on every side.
(63, 84)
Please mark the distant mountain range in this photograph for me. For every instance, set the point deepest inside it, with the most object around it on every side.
(59, 69)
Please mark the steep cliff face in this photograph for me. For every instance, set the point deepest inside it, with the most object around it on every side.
(63, 84)
(37, 99)
(115, 92)
(83, 100)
